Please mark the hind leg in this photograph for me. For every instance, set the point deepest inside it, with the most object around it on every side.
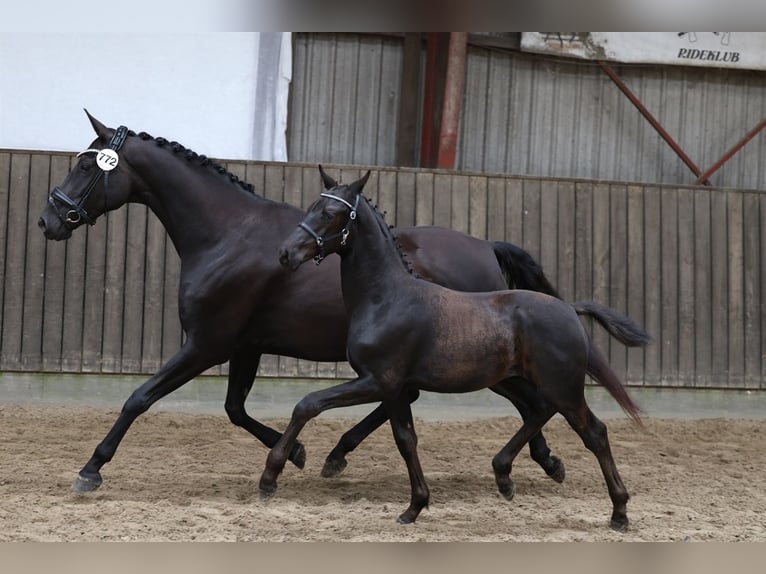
(503, 460)
(594, 435)
(528, 401)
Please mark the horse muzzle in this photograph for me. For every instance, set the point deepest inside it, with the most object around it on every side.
(53, 229)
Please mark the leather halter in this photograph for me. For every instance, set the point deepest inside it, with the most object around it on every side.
(343, 234)
(77, 212)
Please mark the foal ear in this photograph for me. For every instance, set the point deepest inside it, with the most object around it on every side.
(360, 183)
(328, 182)
(101, 130)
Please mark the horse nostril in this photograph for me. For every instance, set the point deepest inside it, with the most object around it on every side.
(41, 223)
(283, 257)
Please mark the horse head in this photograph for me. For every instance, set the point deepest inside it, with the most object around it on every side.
(98, 183)
(325, 229)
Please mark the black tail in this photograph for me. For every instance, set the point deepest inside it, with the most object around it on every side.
(603, 374)
(521, 271)
(620, 326)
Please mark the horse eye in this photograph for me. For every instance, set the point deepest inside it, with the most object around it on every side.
(84, 166)
(326, 216)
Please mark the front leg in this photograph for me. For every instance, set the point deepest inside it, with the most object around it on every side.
(360, 391)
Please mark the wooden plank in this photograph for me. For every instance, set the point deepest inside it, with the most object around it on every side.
(549, 228)
(653, 279)
(735, 218)
(719, 287)
(34, 272)
(172, 334)
(670, 290)
(405, 200)
(636, 273)
(409, 101)
(55, 260)
(565, 277)
(460, 201)
(600, 276)
(442, 200)
(583, 245)
(135, 264)
(514, 211)
(703, 336)
(293, 188)
(752, 270)
(618, 271)
(496, 209)
(255, 176)
(762, 249)
(686, 294)
(154, 289)
(114, 290)
(93, 296)
(477, 206)
(15, 255)
(274, 182)
(5, 185)
(387, 194)
(424, 198)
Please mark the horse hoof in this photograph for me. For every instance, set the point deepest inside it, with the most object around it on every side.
(333, 467)
(557, 472)
(298, 455)
(406, 518)
(83, 484)
(619, 524)
(267, 493)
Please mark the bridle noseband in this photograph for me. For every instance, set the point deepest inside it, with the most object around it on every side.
(77, 212)
(343, 234)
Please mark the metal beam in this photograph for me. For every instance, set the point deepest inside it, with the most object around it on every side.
(728, 155)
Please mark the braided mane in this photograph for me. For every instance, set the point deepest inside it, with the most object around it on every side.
(194, 157)
(389, 233)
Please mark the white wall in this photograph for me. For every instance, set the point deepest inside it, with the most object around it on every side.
(196, 88)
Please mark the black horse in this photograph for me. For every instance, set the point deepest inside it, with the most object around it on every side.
(406, 333)
(235, 301)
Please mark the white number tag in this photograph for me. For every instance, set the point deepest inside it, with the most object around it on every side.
(107, 159)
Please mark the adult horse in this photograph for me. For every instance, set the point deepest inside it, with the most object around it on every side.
(235, 301)
(405, 334)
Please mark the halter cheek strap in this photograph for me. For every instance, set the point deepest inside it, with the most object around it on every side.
(76, 212)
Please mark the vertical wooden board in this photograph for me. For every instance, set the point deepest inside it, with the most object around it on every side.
(389, 84)
(670, 289)
(274, 182)
(719, 287)
(477, 206)
(5, 180)
(636, 274)
(34, 273)
(514, 211)
(442, 200)
(345, 371)
(55, 263)
(549, 229)
(236, 168)
(752, 287)
(736, 290)
(387, 195)
(135, 263)
(618, 270)
(583, 241)
(269, 366)
(460, 202)
(344, 102)
(93, 297)
(600, 277)
(114, 290)
(531, 218)
(703, 336)
(424, 198)
(686, 294)
(565, 278)
(255, 176)
(405, 200)
(154, 289)
(311, 185)
(74, 292)
(288, 366)
(15, 255)
(293, 191)
(307, 369)
(327, 370)
(372, 187)
(496, 209)
(363, 130)
(762, 250)
(653, 279)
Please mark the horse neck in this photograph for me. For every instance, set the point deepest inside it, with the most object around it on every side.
(195, 204)
(373, 265)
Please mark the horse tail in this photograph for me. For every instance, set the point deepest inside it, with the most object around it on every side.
(520, 270)
(619, 326)
(603, 374)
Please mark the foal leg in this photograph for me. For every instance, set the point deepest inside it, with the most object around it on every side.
(336, 462)
(594, 435)
(243, 366)
(359, 391)
(527, 401)
(181, 368)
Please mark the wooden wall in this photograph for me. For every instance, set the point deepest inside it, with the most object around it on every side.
(685, 262)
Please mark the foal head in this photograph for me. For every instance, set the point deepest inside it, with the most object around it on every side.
(327, 225)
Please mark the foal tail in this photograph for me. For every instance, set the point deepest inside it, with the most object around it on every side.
(520, 269)
(629, 333)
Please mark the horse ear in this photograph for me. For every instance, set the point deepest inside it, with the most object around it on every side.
(100, 129)
(360, 183)
(328, 182)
